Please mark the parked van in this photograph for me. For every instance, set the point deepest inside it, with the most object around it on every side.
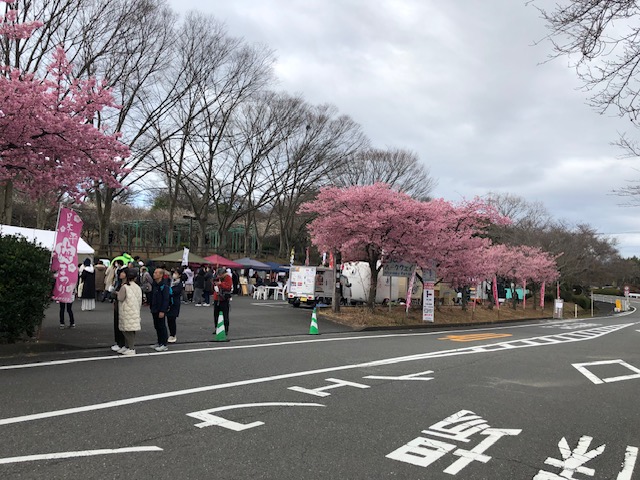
(310, 285)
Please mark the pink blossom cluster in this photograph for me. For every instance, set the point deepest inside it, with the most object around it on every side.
(374, 222)
(11, 28)
(48, 141)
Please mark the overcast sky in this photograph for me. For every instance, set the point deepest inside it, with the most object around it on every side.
(461, 84)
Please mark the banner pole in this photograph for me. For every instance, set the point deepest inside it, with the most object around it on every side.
(54, 236)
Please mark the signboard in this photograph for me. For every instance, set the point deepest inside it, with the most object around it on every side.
(428, 302)
(64, 260)
(558, 307)
(398, 269)
(302, 281)
(429, 273)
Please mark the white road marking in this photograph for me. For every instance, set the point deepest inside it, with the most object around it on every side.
(82, 453)
(411, 376)
(264, 345)
(597, 380)
(209, 420)
(543, 341)
(630, 457)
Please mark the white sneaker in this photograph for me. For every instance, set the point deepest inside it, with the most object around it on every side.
(161, 348)
(115, 347)
(206, 304)
(198, 304)
(172, 339)
(128, 351)
(122, 350)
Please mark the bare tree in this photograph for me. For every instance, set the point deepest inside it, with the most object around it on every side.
(236, 72)
(600, 39)
(321, 143)
(527, 218)
(399, 168)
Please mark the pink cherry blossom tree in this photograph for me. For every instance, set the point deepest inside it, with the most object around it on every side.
(520, 264)
(374, 222)
(48, 142)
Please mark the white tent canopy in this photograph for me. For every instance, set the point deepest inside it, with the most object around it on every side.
(45, 238)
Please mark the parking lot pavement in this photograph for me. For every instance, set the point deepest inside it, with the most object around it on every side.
(249, 318)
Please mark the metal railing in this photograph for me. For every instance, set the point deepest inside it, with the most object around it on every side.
(624, 301)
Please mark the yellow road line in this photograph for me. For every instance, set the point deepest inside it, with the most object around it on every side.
(474, 337)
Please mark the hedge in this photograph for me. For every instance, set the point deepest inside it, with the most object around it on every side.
(26, 283)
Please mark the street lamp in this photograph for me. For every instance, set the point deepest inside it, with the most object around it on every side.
(191, 219)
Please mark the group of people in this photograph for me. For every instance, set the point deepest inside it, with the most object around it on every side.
(131, 286)
(164, 296)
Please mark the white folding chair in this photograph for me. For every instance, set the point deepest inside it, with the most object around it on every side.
(262, 292)
(282, 291)
(256, 292)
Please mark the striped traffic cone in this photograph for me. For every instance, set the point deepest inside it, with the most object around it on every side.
(221, 335)
(313, 329)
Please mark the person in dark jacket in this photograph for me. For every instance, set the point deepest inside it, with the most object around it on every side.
(160, 300)
(223, 288)
(198, 287)
(208, 287)
(174, 306)
(87, 285)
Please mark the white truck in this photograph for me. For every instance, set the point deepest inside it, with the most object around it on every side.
(310, 285)
(359, 276)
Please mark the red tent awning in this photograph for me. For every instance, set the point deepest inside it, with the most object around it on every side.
(218, 260)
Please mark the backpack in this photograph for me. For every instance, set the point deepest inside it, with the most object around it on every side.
(144, 282)
(171, 302)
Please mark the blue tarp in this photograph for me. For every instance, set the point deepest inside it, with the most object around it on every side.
(276, 267)
(251, 263)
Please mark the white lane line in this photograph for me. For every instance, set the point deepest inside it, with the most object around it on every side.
(82, 453)
(263, 345)
(630, 457)
(598, 332)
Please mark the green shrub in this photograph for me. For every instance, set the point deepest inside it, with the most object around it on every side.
(582, 300)
(607, 291)
(25, 287)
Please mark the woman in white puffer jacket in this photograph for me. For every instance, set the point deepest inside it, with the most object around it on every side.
(129, 305)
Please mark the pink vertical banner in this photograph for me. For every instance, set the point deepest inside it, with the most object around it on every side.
(410, 289)
(524, 294)
(332, 261)
(542, 288)
(494, 288)
(64, 262)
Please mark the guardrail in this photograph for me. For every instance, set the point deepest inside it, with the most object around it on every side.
(624, 301)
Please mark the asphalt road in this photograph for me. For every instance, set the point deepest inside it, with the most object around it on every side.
(540, 400)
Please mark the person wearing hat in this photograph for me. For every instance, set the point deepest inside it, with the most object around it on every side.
(222, 288)
(129, 305)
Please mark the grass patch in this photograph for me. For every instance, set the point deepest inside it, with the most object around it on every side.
(361, 316)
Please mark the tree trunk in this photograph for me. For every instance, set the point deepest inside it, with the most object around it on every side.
(6, 203)
(104, 203)
(42, 213)
(371, 301)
